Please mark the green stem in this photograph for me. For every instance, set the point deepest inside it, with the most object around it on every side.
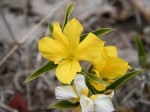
(85, 74)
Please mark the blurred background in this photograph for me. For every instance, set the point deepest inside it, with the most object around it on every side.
(24, 22)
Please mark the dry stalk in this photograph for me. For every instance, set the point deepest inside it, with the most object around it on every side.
(27, 36)
(2, 105)
(7, 25)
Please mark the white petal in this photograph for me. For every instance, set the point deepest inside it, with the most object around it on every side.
(103, 104)
(79, 82)
(65, 92)
(86, 104)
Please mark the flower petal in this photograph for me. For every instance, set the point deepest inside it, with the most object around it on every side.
(86, 104)
(103, 104)
(111, 51)
(51, 49)
(90, 48)
(58, 35)
(99, 64)
(114, 68)
(100, 86)
(67, 70)
(65, 92)
(72, 31)
(81, 87)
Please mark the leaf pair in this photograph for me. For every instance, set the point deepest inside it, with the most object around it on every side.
(116, 84)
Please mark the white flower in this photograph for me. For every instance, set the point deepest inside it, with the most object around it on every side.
(96, 103)
(72, 93)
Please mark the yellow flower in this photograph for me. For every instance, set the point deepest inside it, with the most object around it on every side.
(65, 50)
(110, 66)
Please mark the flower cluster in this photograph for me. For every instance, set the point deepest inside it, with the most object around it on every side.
(78, 92)
(66, 50)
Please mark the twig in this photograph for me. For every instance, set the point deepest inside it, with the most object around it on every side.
(28, 88)
(41, 22)
(8, 26)
(126, 98)
(144, 101)
(16, 80)
(26, 4)
(2, 105)
(46, 80)
(138, 17)
(137, 4)
(32, 30)
(9, 54)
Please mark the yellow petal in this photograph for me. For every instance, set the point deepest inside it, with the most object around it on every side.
(58, 35)
(90, 48)
(51, 49)
(114, 68)
(67, 70)
(99, 87)
(99, 63)
(111, 51)
(85, 91)
(72, 31)
(93, 97)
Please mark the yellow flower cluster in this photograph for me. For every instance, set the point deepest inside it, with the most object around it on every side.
(65, 49)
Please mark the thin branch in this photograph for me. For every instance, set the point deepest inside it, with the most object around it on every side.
(7, 25)
(32, 31)
(2, 105)
(146, 102)
(9, 54)
(41, 22)
(28, 88)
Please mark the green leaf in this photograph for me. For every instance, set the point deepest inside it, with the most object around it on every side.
(50, 28)
(48, 66)
(142, 56)
(98, 32)
(65, 105)
(68, 12)
(122, 80)
(94, 78)
(88, 84)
